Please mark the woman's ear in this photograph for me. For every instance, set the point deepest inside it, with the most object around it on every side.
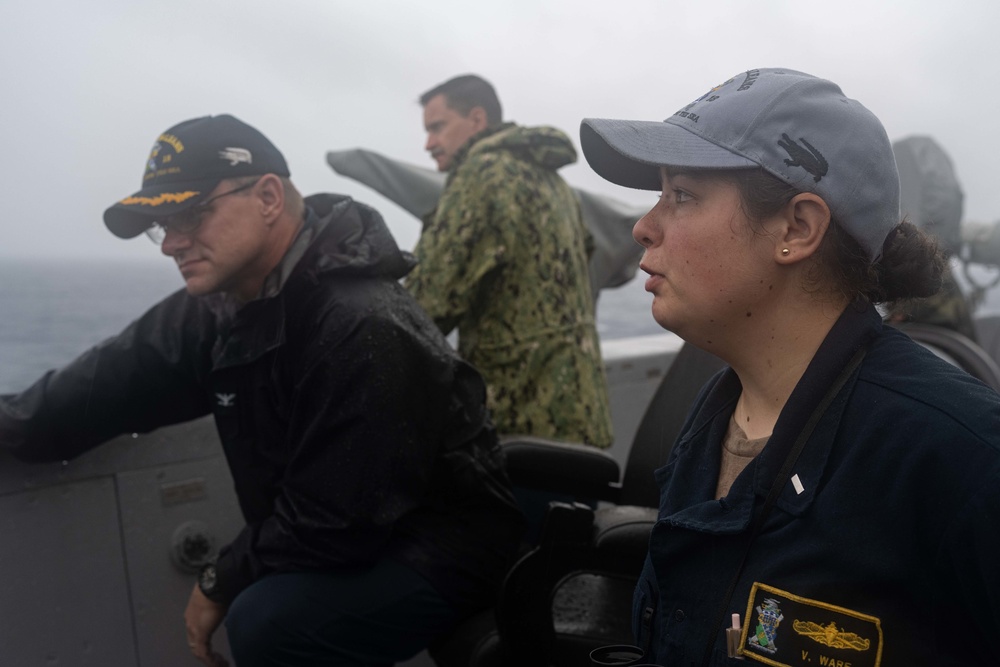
(805, 220)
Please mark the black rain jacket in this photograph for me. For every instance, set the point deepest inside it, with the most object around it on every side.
(352, 430)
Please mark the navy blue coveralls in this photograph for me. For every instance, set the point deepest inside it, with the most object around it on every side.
(889, 555)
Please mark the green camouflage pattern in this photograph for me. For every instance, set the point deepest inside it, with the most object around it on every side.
(947, 308)
(504, 259)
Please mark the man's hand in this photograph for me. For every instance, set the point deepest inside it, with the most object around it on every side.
(201, 618)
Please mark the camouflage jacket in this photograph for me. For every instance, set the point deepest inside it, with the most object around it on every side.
(504, 259)
(947, 308)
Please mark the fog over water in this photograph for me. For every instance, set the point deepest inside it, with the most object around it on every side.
(88, 86)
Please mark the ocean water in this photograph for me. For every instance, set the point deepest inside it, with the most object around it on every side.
(51, 311)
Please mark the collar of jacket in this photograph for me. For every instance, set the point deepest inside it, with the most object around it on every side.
(312, 227)
(693, 472)
(356, 242)
(257, 328)
(463, 152)
(339, 236)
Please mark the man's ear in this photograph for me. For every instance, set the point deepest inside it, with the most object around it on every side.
(480, 120)
(805, 220)
(270, 194)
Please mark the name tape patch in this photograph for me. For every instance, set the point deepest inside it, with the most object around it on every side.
(787, 630)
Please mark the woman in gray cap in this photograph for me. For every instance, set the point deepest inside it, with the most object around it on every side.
(834, 495)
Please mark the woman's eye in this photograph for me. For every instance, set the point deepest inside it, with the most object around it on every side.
(680, 196)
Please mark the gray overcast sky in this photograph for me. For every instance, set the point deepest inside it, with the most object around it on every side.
(88, 85)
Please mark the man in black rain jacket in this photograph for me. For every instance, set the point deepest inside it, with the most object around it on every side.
(367, 469)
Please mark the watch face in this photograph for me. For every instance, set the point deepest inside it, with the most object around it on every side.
(206, 580)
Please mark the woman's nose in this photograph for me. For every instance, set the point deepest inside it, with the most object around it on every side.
(645, 232)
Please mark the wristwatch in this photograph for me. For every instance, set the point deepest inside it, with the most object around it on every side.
(208, 583)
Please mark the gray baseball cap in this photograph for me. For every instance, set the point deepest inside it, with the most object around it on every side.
(798, 127)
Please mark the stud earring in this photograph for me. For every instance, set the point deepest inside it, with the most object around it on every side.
(784, 251)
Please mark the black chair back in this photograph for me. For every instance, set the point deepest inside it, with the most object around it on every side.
(660, 426)
(959, 349)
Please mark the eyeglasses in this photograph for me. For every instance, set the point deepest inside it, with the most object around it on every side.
(188, 221)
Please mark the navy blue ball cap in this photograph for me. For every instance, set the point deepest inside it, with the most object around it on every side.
(186, 163)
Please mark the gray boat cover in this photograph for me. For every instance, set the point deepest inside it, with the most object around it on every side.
(930, 196)
(417, 189)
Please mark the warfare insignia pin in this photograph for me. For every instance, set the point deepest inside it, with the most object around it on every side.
(832, 636)
(236, 155)
(808, 158)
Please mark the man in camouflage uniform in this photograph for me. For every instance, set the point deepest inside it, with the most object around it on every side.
(504, 259)
(947, 308)
(931, 198)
